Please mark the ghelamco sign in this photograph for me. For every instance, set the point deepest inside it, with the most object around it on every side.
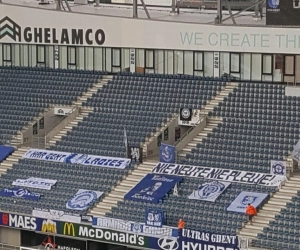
(63, 36)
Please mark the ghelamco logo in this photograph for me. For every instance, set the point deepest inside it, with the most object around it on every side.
(63, 36)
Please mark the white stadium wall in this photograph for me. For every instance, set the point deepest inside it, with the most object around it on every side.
(147, 2)
(38, 37)
(52, 27)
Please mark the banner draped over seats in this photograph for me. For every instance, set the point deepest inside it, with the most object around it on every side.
(33, 182)
(209, 191)
(101, 161)
(241, 202)
(229, 175)
(152, 188)
(5, 151)
(20, 193)
(83, 199)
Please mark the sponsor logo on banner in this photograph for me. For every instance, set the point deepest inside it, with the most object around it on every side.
(20, 193)
(152, 188)
(191, 239)
(83, 199)
(168, 244)
(56, 215)
(209, 191)
(69, 229)
(111, 236)
(167, 153)
(19, 221)
(240, 203)
(49, 226)
(278, 167)
(229, 175)
(48, 155)
(32, 182)
(49, 243)
(154, 217)
(50, 35)
(133, 227)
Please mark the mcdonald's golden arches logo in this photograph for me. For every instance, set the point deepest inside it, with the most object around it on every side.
(69, 229)
(49, 226)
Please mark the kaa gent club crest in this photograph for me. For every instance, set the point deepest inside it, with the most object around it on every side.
(209, 191)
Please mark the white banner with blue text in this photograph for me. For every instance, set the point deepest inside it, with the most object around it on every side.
(83, 199)
(229, 175)
(209, 191)
(33, 182)
(133, 227)
(241, 202)
(101, 161)
(56, 215)
(278, 167)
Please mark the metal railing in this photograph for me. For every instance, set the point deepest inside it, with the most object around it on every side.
(8, 247)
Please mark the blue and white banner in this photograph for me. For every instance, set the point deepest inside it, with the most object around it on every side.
(196, 240)
(101, 161)
(209, 191)
(278, 167)
(167, 153)
(33, 182)
(296, 152)
(241, 202)
(133, 227)
(152, 188)
(229, 175)
(154, 217)
(53, 214)
(83, 199)
(5, 151)
(20, 193)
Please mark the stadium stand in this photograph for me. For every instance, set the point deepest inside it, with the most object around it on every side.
(140, 105)
(250, 142)
(283, 232)
(119, 103)
(240, 142)
(26, 92)
(70, 178)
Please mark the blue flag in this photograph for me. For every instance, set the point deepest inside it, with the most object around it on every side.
(152, 188)
(20, 193)
(154, 217)
(167, 153)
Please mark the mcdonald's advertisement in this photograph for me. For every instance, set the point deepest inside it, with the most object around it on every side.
(70, 229)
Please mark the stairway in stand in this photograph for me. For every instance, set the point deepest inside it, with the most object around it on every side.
(117, 194)
(272, 208)
(12, 159)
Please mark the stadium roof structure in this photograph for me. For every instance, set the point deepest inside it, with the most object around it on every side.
(186, 15)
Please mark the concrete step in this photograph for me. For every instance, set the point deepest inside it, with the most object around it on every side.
(277, 202)
(270, 207)
(248, 233)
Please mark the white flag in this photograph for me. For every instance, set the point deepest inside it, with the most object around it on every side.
(175, 191)
(125, 138)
